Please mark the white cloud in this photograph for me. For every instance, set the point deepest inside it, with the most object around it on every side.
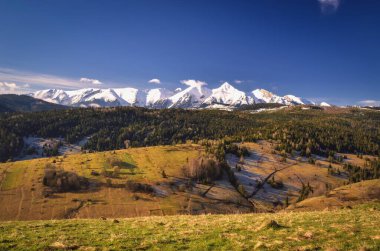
(30, 81)
(90, 81)
(329, 6)
(193, 83)
(238, 81)
(154, 81)
(42, 80)
(369, 102)
(7, 88)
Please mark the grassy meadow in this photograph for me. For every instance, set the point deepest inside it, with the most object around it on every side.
(344, 229)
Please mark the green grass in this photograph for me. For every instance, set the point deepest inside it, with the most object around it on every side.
(13, 177)
(346, 229)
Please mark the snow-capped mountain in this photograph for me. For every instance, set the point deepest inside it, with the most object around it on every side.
(264, 96)
(291, 99)
(196, 95)
(156, 97)
(53, 96)
(226, 94)
(324, 104)
(191, 97)
(132, 96)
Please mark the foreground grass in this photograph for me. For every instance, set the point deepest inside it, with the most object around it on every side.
(345, 229)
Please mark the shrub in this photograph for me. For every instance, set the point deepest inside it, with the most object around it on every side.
(203, 169)
(62, 181)
(138, 187)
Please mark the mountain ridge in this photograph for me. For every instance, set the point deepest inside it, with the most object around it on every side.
(194, 96)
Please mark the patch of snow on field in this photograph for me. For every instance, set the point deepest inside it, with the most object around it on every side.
(268, 109)
(38, 144)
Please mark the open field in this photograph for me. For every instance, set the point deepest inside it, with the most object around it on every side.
(22, 194)
(345, 229)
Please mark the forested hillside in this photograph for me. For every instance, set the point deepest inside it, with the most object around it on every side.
(307, 131)
(23, 103)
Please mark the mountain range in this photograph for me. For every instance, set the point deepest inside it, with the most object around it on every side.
(194, 96)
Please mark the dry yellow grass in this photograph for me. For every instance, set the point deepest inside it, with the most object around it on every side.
(345, 196)
(21, 189)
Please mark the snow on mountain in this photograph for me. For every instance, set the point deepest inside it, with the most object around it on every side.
(157, 96)
(228, 95)
(264, 96)
(81, 96)
(94, 98)
(324, 104)
(191, 97)
(53, 96)
(196, 95)
(131, 96)
(291, 99)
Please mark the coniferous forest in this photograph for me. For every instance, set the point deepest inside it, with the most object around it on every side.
(321, 132)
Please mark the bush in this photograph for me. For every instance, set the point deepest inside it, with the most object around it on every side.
(62, 181)
(203, 170)
(138, 187)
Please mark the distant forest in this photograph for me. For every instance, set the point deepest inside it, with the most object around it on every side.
(308, 131)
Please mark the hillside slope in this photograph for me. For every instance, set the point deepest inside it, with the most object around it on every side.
(346, 229)
(344, 196)
(24, 197)
(23, 103)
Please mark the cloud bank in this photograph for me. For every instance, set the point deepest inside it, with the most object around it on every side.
(154, 81)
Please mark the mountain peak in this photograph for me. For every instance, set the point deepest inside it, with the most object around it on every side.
(264, 96)
(226, 94)
(226, 86)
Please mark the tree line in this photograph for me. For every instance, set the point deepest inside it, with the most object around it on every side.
(307, 131)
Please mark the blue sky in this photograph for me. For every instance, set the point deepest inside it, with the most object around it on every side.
(325, 50)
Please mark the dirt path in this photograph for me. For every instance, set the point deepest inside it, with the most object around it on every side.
(20, 203)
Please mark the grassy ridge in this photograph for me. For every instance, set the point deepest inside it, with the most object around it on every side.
(345, 229)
